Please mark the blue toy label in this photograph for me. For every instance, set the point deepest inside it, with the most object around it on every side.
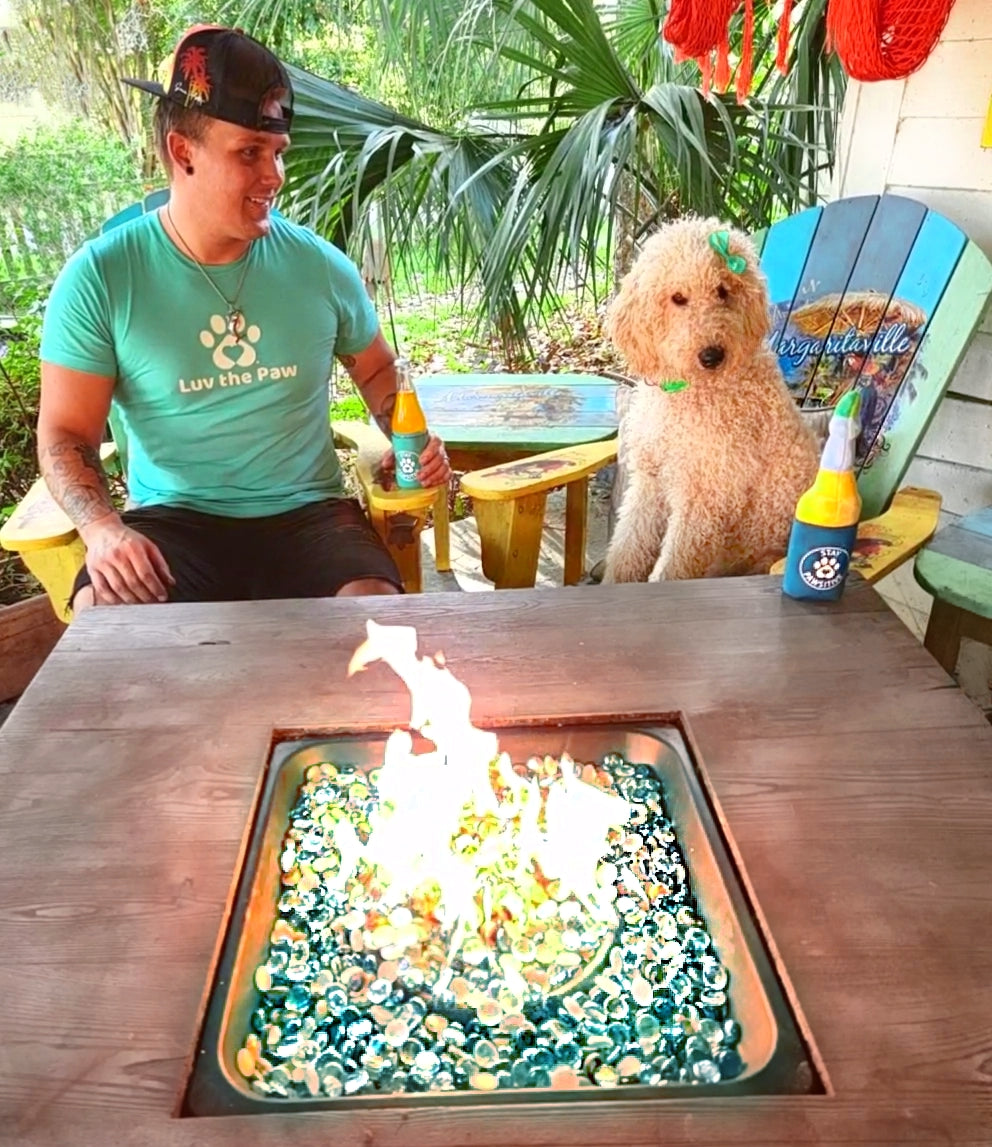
(408, 448)
(817, 562)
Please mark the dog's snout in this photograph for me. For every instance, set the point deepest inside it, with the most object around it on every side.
(712, 356)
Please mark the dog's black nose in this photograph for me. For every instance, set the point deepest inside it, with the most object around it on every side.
(712, 356)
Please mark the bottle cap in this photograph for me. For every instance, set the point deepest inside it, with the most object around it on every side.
(850, 405)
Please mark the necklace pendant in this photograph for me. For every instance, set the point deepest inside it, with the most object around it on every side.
(235, 324)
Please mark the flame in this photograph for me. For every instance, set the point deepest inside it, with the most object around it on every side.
(463, 834)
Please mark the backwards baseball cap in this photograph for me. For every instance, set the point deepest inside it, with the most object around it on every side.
(224, 73)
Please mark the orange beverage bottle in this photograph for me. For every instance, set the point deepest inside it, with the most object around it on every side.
(409, 429)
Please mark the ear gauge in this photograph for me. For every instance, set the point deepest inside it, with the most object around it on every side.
(189, 169)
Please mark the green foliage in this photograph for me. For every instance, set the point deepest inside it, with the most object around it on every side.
(20, 377)
(349, 408)
(58, 185)
(74, 160)
(537, 136)
(75, 55)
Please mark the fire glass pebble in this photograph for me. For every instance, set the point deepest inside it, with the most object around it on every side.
(352, 1001)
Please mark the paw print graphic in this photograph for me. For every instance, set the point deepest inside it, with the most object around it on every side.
(243, 347)
(826, 568)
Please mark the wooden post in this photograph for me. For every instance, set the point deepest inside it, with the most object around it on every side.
(576, 522)
(442, 531)
(28, 633)
(511, 539)
(943, 636)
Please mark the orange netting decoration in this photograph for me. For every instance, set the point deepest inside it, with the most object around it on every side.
(700, 29)
(885, 39)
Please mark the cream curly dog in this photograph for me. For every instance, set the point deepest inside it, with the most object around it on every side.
(716, 452)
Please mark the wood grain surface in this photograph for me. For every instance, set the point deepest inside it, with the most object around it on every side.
(853, 775)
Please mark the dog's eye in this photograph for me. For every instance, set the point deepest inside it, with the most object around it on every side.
(679, 299)
(722, 293)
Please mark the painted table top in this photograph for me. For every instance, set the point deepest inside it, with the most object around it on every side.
(957, 565)
(519, 411)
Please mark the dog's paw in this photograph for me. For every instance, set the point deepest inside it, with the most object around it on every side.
(621, 572)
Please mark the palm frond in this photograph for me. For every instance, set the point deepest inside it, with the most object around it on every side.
(567, 109)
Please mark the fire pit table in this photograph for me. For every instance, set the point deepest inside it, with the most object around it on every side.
(719, 873)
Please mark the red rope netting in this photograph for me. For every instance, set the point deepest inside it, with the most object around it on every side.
(875, 39)
(885, 39)
(699, 29)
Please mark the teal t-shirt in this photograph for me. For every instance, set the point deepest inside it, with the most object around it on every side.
(228, 428)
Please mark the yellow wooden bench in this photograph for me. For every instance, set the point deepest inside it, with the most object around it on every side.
(398, 515)
(42, 534)
(509, 501)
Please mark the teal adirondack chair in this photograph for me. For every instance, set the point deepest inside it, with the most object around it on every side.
(874, 292)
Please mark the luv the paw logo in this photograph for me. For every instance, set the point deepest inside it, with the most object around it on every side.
(229, 351)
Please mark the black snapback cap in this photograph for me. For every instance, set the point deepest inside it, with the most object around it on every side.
(224, 73)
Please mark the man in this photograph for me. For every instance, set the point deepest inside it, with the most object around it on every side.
(212, 325)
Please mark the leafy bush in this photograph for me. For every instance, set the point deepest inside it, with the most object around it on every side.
(20, 376)
(71, 161)
(57, 185)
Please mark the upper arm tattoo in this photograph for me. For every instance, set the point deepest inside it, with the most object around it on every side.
(75, 476)
(381, 408)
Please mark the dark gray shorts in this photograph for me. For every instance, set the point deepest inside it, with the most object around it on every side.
(311, 551)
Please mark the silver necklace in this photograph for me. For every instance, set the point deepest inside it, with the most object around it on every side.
(236, 325)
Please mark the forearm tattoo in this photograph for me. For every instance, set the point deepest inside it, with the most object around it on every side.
(74, 474)
(384, 419)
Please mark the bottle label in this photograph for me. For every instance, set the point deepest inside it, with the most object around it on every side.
(818, 559)
(408, 448)
(824, 567)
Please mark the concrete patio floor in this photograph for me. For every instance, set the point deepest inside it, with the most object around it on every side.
(466, 559)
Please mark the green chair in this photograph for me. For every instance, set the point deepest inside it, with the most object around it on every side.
(956, 567)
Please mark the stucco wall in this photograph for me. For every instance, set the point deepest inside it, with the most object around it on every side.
(921, 137)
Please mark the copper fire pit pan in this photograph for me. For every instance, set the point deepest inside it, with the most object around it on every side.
(776, 1059)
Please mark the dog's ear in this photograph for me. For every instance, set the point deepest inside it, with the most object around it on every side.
(632, 327)
(753, 290)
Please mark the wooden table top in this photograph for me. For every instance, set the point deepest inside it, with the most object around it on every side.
(855, 778)
(519, 412)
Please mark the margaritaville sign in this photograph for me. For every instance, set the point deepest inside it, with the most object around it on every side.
(894, 339)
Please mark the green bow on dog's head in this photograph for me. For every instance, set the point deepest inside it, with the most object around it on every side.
(720, 242)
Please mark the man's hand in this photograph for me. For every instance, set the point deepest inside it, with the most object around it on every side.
(124, 566)
(434, 467)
